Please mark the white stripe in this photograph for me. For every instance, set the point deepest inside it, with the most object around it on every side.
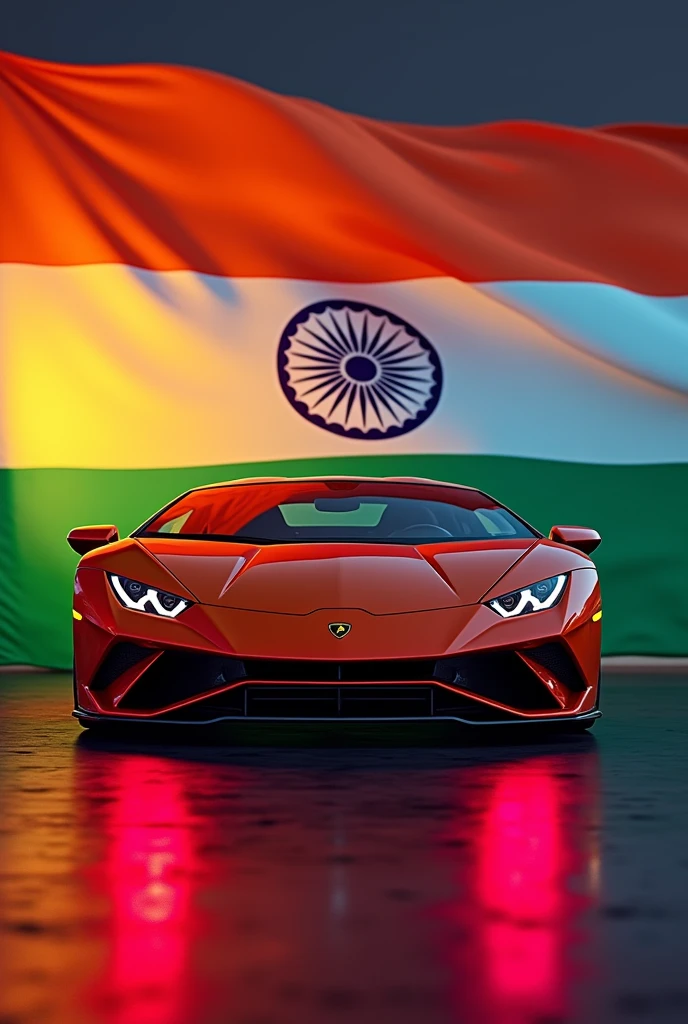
(110, 367)
(643, 334)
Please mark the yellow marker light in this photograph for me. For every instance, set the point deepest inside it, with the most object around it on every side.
(77, 615)
(597, 616)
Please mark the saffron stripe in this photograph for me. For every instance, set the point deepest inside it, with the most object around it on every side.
(169, 168)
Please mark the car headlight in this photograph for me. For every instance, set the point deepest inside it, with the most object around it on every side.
(535, 598)
(142, 598)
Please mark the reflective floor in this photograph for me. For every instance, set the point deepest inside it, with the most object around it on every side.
(368, 880)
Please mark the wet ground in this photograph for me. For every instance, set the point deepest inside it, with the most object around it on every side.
(370, 881)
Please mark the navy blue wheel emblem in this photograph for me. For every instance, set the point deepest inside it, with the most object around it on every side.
(358, 370)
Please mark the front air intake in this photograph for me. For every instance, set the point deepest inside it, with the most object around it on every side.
(180, 675)
(500, 676)
(118, 660)
(382, 671)
(556, 659)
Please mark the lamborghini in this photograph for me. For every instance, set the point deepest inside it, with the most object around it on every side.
(336, 598)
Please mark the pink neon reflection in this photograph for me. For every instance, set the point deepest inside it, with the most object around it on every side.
(149, 870)
(522, 890)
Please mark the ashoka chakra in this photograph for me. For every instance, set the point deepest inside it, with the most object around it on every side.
(358, 370)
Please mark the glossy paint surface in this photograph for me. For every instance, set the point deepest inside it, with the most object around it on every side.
(577, 536)
(310, 877)
(83, 539)
(277, 601)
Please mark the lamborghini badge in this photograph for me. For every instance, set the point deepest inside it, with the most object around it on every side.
(339, 629)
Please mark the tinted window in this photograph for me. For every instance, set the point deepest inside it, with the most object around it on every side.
(338, 511)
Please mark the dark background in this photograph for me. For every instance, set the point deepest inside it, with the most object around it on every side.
(434, 61)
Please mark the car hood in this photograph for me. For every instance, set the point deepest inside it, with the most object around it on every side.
(298, 579)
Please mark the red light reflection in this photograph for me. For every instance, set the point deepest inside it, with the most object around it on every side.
(149, 879)
(520, 901)
(520, 889)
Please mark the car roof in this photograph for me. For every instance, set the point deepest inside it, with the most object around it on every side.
(326, 479)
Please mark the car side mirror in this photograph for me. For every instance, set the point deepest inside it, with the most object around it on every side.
(85, 538)
(576, 537)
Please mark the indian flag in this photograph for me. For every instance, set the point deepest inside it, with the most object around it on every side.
(201, 280)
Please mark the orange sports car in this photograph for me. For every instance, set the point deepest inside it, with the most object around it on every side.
(336, 598)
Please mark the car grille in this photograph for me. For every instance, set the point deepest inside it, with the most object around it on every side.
(349, 701)
(177, 676)
(316, 701)
(338, 671)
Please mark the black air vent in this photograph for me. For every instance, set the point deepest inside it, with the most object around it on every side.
(500, 676)
(322, 701)
(338, 701)
(497, 675)
(179, 675)
(118, 659)
(556, 659)
(338, 671)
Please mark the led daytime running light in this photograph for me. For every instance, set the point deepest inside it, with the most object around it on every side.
(527, 599)
(148, 602)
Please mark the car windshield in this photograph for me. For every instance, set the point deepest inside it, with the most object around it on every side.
(336, 511)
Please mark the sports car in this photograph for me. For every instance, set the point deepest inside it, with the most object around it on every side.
(336, 598)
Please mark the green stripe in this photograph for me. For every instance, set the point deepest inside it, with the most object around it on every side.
(641, 512)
